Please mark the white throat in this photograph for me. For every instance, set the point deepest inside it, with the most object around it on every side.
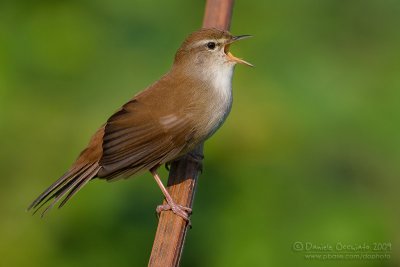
(220, 78)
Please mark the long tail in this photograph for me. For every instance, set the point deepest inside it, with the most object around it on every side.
(67, 185)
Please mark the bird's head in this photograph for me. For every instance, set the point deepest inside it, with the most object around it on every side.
(209, 49)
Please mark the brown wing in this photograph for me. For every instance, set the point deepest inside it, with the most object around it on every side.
(149, 130)
(140, 136)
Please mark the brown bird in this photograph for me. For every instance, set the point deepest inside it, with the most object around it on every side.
(160, 124)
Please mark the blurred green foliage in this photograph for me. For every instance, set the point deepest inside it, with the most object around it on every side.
(310, 152)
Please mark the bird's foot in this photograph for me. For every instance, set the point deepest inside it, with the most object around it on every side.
(177, 209)
(183, 212)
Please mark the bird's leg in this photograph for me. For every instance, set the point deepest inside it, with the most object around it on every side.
(179, 210)
(193, 156)
(196, 157)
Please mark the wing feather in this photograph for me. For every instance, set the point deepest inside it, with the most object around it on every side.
(137, 138)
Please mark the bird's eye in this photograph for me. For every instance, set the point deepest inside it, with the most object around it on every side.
(211, 45)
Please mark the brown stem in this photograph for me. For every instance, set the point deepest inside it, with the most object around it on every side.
(171, 231)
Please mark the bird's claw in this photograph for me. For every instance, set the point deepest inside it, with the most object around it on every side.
(177, 209)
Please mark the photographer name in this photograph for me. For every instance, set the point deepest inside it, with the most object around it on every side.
(346, 247)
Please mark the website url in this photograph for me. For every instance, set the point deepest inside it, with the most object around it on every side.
(347, 256)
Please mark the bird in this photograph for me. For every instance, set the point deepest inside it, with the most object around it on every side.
(160, 124)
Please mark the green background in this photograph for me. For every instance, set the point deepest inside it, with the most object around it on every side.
(310, 152)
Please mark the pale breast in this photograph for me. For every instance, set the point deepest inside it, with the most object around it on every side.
(220, 99)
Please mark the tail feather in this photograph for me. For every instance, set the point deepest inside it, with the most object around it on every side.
(45, 200)
(62, 181)
(49, 190)
(69, 184)
(79, 185)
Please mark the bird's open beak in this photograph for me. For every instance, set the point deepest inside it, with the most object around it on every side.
(232, 57)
